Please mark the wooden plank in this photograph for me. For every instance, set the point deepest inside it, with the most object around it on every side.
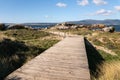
(67, 60)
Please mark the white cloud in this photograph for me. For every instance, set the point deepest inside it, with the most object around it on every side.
(82, 2)
(46, 16)
(60, 4)
(99, 2)
(103, 12)
(117, 8)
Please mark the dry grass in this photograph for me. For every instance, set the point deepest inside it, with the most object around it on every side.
(3, 36)
(19, 46)
(110, 71)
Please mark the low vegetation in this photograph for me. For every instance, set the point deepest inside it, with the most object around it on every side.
(107, 40)
(2, 26)
(24, 34)
(19, 46)
(109, 69)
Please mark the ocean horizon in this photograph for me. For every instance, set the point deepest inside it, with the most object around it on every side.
(117, 28)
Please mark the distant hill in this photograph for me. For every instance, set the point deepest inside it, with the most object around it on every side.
(90, 21)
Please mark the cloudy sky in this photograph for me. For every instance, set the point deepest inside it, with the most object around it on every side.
(20, 11)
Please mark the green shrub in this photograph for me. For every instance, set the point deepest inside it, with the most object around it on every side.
(24, 34)
(27, 45)
(108, 57)
(112, 29)
(2, 26)
(13, 54)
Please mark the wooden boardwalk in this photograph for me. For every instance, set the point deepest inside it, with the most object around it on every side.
(66, 60)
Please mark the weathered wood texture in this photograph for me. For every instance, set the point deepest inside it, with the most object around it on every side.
(67, 60)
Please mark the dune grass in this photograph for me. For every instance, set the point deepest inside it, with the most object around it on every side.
(24, 34)
(107, 40)
(109, 70)
(26, 45)
(14, 54)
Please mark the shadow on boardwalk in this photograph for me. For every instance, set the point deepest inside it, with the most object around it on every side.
(94, 59)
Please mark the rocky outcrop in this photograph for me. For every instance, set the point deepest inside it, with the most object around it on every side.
(2, 26)
(17, 26)
(109, 29)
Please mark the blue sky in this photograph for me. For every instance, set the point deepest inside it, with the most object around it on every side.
(21, 11)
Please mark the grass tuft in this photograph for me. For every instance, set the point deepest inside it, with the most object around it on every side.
(19, 46)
